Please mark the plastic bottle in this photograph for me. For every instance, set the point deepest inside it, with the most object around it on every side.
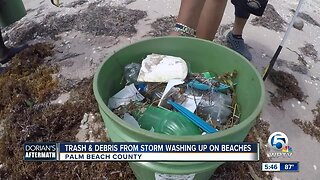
(131, 72)
(215, 106)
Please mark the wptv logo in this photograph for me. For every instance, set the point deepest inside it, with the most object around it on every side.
(278, 141)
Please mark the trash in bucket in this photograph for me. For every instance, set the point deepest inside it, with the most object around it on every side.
(216, 106)
(162, 68)
(170, 88)
(125, 96)
(130, 120)
(165, 98)
(131, 72)
(167, 122)
(194, 118)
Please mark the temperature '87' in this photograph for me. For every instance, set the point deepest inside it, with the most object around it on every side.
(289, 166)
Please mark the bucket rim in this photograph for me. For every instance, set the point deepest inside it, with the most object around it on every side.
(171, 138)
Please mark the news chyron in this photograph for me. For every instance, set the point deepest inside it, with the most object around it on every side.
(40, 151)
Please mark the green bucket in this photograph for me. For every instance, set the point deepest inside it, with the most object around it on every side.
(11, 11)
(202, 56)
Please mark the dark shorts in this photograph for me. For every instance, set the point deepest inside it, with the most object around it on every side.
(243, 8)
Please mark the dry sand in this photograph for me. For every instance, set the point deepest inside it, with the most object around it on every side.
(84, 52)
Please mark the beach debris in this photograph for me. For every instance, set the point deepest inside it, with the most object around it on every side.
(288, 87)
(270, 20)
(300, 58)
(162, 26)
(308, 128)
(207, 75)
(240, 170)
(153, 92)
(310, 51)
(167, 122)
(85, 119)
(162, 68)
(297, 67)
(132, 108)
(172, 92)
(298, 24)
(175, 94)
(131, 120)
(311, 128)
(194, 118)
(215, 85)
(125, 96)
(131, 72)
(95, 20)
(199, 86)
(206, 81)
(191, 103)
(216, 106)
(206, 100)
(171, 84)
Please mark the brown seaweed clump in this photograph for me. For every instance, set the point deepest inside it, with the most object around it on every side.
(270, 20)
(296, 67)
(25, 81)
(309, 51)
(53, 123)
(162, 26)
(96, 20)
(311, 128)
(248, 170)
(288, 87)
(26, 88)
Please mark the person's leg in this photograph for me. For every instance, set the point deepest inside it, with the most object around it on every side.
(210, 18)
(3, 49)
(238, 25)
(234, 37)
(189, 13)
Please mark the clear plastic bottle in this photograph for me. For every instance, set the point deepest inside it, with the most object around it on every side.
(215, 106)
(131, 72)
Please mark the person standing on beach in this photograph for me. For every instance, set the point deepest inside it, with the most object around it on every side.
(202, 18)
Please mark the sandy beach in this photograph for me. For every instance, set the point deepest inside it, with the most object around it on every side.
(82, 44)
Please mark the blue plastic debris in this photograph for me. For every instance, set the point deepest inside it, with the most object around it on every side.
(204, 87)
(221, 87)
(141, 87)
(198, 85)
(194, 118)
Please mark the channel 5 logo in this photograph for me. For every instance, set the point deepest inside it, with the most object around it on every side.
(279, 142)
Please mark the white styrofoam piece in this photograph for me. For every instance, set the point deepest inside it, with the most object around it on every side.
(162, 68)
